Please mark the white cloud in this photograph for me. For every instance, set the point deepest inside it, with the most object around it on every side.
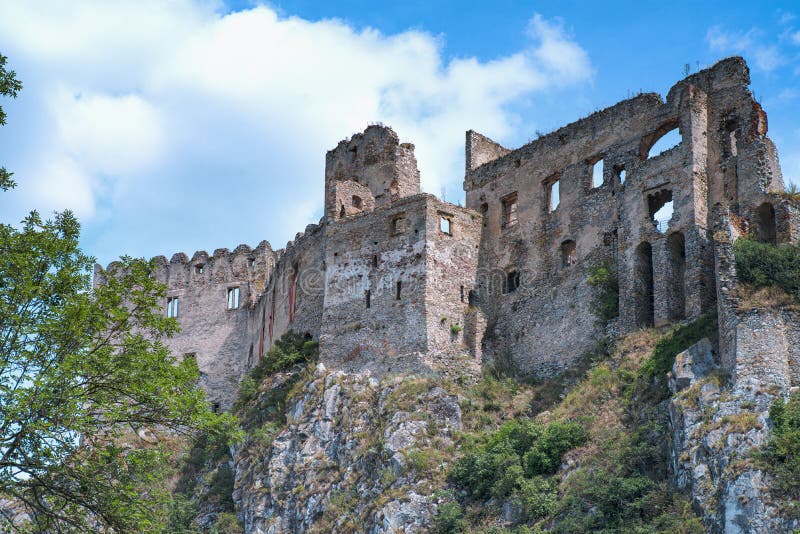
(172, 104)
(751, 43)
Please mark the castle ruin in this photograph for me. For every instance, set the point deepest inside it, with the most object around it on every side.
(390, 271)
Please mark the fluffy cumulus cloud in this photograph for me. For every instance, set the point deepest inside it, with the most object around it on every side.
(159, 119)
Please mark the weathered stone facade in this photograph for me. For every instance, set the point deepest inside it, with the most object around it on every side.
(391, 271)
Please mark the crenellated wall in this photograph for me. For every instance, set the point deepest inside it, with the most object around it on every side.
(219, 338)
(390, 271)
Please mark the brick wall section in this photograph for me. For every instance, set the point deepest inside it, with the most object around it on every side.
(451, 265)
(219, 337)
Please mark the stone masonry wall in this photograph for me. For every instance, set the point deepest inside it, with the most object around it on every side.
(666, 270)
(217, 337)
(374, 252)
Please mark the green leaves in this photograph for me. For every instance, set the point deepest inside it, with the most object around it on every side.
(517, 462)
(763, 264)
(9, 86)
(605, 300)
(781, 456)
(82, 372)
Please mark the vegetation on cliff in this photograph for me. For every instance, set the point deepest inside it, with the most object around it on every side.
(763, 265)
(592, 460)
(781, 455)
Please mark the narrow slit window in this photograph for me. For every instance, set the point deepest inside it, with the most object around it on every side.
(398, 290)
(509, 210)
(172, 306)
(374, 260)
(233, 298)
(569, 254)
(368, 298)
(597, 173)
(462, 293)
(622, 174)
(512, 281)
(555, 195)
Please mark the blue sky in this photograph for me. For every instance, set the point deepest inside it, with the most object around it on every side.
(195, 125)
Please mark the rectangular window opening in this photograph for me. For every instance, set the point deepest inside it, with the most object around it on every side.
(555, 195)
(509, 210)
(172, 307)
(199, 268)
(597, 173)
(445, 225)
(233, 298)
(512, 281)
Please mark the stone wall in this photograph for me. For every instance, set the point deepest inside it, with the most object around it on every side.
(665, 269)
(366, 257)
(218, 337)
(376, 160)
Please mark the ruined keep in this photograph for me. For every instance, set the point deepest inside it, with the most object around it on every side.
(391, 275)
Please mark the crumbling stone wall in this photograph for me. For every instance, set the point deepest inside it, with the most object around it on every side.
(666, 270)
(376, 160)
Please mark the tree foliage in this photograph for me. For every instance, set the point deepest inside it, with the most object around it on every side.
(82, 372)
(9, 87)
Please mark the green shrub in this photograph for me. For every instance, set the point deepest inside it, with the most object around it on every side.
(763, 265)
(450, 519)
(455, 328)
(544, 458)
(226, 523)
(516, 462)
(221, 488)
(675, 341)
(181, 516)
(290, 352)
(781, 455)
(605, 300)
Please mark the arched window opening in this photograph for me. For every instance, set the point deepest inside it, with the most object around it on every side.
(729, 138)
(356, 202)
(662, 140)
(569, 254)
(621, 174)
(676, 250)
(765, 231)
(643, 286)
